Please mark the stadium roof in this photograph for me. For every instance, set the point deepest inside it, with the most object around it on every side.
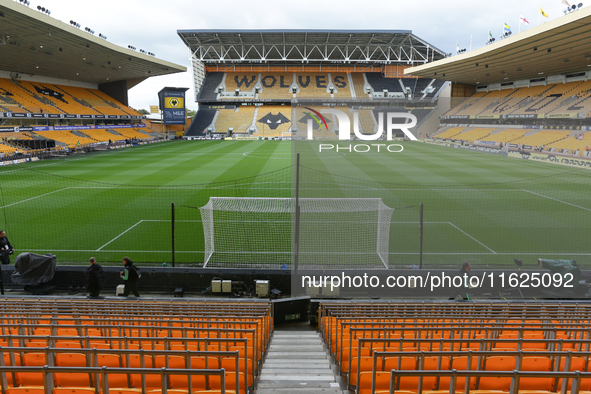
(34, 43)
(310, 46)
(556, 47)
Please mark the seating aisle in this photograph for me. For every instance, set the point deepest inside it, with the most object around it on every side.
(297, 363)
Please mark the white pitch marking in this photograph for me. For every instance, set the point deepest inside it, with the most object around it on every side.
(119, 235)
(474, 239)
(554, 199)
(32, 198)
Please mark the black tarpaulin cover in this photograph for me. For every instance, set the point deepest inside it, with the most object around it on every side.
(33, 269)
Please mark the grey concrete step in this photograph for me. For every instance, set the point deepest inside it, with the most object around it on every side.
(297, 363)
(304, 357)
(292, 366)
(277, 385)
(301, 341)
(295, 348)
(300, 390)
(298, 378)
(295, 334)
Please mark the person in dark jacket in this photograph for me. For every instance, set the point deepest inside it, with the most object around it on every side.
(6, 248)
(96, 278)
(130, 277)
(465, 270)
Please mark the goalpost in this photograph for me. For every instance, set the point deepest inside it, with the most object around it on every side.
(249, 232)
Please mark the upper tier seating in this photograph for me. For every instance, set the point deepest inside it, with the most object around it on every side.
(276, 86)
(379, 83)
(314, 85)
(39, 97)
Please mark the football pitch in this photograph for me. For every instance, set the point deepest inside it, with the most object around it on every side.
(478, 207)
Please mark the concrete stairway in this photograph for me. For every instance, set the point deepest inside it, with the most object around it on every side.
(297, 363)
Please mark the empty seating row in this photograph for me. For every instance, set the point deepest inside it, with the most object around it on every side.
(39, 97)
(142, 339)
(284, 85)
(90, 380)
(370, 339)
(124, 358)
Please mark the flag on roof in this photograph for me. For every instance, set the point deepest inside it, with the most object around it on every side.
(490, 34)
(565, 3)
(523, 19)
(506, 27)
(543, 13)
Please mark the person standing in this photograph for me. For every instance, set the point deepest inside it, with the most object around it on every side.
(130, 276)
(96, 278)
(6, 248)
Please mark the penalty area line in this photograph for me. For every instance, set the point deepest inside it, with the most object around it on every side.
(32, 198)
(99, 249)
(471, 237)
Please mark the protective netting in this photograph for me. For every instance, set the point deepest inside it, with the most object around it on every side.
(334, 232)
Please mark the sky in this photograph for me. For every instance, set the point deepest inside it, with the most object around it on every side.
(152, 24)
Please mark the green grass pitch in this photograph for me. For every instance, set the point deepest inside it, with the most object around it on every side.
(478, 207)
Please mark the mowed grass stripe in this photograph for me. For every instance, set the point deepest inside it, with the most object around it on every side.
(80, 217)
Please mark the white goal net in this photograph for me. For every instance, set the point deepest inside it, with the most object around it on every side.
(246, 232)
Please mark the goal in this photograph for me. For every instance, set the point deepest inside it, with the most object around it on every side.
(248, 232)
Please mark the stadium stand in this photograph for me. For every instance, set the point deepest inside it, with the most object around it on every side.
(570, 97)
(210, 84)
(472, 134)
(67, 138)
(379, 83)
(65, 103)
(276, 86)
(507, 135)
(238, 119)
(15, 136)
(341, 84)
(370, 340)
(26, 96)
(26, 99)
(5, 148)
(203, 119)
(576, 141)
(245, 82)
(366, 120)
(89, 98)
(273, 120)
(131, 133)
(313, 85)
(541, 137)
(358, 83)
(132, 347)
(114, 103)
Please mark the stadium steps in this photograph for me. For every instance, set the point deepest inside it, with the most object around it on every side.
(351, 85)
(297, 363)
(208, 90)
(80, 134)
(105, 101)
(203, 118)
(114, 132)
(76, 99)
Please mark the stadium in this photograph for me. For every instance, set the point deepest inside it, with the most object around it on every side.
(303, 230)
